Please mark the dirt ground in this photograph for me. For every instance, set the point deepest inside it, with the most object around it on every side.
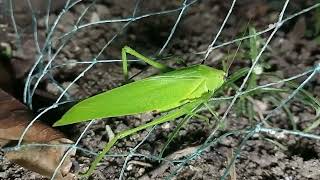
(292, 51)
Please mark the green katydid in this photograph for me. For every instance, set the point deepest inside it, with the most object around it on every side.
(179, 92)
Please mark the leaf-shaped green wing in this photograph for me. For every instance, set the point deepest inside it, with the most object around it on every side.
(152, 94)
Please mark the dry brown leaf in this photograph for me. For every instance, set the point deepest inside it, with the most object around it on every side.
(44, 160)
(14, 118)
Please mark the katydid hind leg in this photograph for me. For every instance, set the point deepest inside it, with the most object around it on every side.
(199, 116)
(174, 134)
(100, 156)
(176, 130)
(127, 49)
(165, 118)
(215, 115)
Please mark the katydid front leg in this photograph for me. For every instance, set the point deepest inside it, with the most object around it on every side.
(185, 109)
(127, 49)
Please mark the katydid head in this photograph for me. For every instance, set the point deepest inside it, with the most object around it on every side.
(216, 78)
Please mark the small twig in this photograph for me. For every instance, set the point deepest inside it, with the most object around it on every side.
(140, 163)
(233, 173)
